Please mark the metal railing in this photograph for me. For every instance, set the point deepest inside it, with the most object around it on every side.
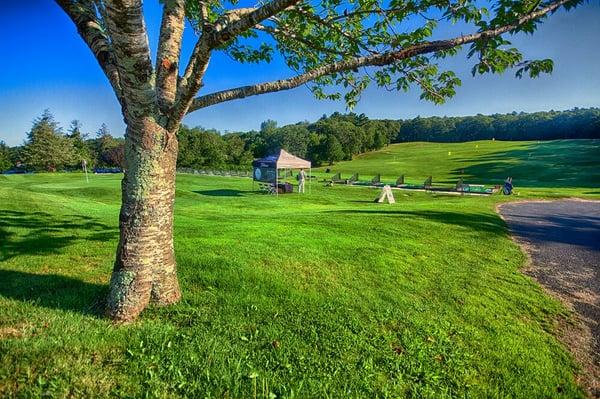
(215, 172)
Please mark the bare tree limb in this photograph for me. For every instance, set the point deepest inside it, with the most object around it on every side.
(84, 17)
(385, 58)
(191, 82)
(249, 19)
(235, 22)
(169, 50)
(231, 16)
(129, 38)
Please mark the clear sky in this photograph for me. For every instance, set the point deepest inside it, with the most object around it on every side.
(46, 65)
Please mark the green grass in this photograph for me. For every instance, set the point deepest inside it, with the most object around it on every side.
(322, 295)
(560, 167)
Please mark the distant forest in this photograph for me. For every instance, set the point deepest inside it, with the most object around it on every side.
(578, 123)
(331, 139)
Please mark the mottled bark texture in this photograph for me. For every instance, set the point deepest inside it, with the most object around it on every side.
(145, 270)
(169, 49)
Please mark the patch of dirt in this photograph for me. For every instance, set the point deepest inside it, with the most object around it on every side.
(7, 332)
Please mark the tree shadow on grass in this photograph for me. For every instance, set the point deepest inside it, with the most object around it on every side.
(40, 233)
(53, 291)
(222, 193)
(488, 223)
(43, 234)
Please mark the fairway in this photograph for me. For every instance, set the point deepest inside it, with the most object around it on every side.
(559, 164)
(321, 295)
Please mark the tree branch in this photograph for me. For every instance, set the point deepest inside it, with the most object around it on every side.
(378, 11)
(247, 19)
(89, 28)
(385, 58)
(235, 22)
(285, 32)
(128, 34)
(327, 23)
(190, 83)
(169, 50)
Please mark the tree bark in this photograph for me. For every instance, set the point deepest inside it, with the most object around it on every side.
(145, 268)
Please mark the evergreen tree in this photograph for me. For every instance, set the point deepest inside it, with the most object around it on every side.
(46, 147)
(81, 149)
(103, 131)
(5, 162)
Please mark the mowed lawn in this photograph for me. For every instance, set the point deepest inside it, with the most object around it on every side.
(321, 295)
(559, 166)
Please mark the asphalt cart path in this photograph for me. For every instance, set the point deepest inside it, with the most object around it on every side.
(563, 241)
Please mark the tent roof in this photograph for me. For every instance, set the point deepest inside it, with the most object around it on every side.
(283, 160)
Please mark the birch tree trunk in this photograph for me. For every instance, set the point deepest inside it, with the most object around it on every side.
(145, 269)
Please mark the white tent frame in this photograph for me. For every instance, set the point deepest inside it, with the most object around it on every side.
(290, 162)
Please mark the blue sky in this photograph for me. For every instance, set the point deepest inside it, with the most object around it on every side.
(46, 65)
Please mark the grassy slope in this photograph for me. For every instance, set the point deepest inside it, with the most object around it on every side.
(320, 295)
(561, 166)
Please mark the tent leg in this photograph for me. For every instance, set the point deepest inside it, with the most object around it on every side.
(310, 180)
(276, 182)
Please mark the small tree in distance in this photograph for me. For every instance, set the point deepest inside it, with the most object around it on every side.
(108, 148)
(325, 44)
(5, 162)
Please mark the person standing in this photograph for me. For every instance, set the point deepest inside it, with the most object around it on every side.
(301, 180)
(508, 186)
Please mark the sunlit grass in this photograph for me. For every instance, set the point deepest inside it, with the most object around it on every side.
(321, 295)
(552, 165)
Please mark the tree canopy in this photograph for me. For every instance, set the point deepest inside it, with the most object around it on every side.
(551, 125)
(5, 158)
(337, 47)
(332, 44)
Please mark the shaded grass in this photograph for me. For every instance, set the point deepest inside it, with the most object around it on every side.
(327, 295)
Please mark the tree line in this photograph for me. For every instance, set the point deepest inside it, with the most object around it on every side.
(331, 139)
(49, 148)
(578, 123)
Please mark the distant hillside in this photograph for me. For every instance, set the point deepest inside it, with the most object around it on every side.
(561, 163)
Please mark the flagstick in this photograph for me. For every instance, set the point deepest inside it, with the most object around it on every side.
(84, 164)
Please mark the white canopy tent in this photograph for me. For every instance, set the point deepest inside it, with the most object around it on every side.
(280, 160)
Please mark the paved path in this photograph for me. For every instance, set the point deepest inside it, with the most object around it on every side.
(563, 239)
